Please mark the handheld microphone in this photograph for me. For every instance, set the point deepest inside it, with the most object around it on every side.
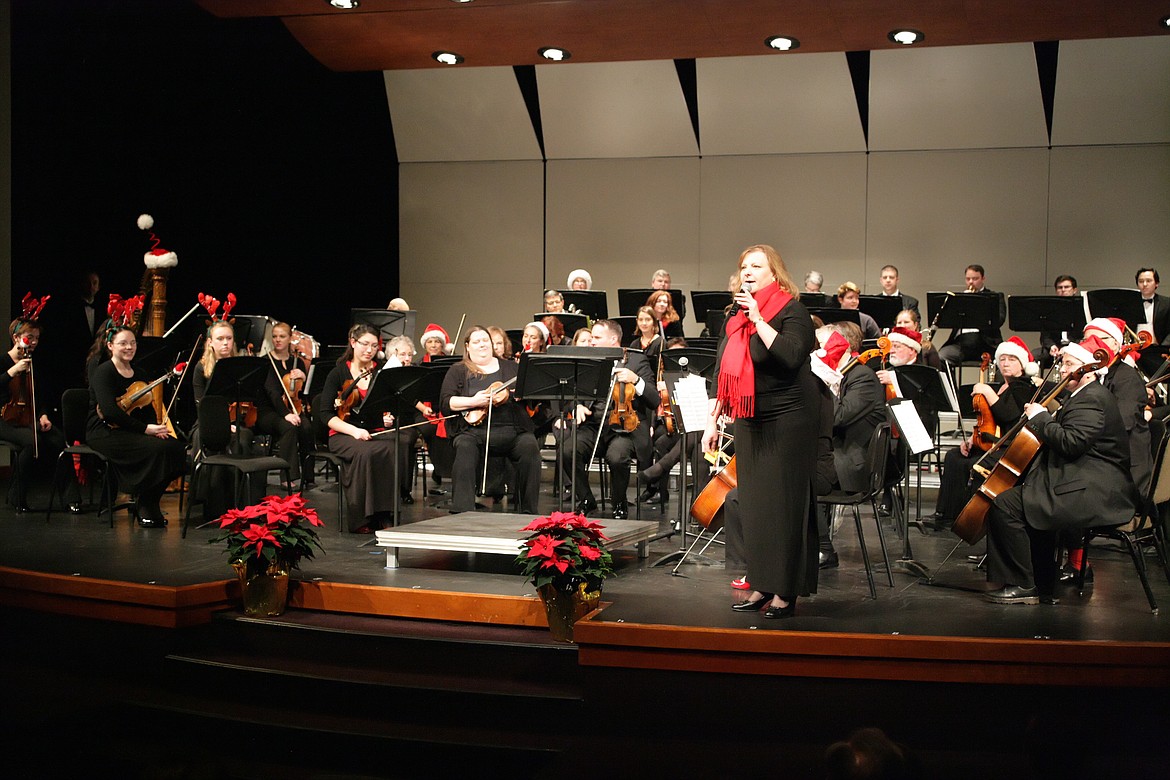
(735, 307)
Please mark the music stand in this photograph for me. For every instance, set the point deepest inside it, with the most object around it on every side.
(1046, 313)
(922, 385)
(590, 302)
(570, 322)
(1123, 304)
(630, 299)
(883, 308)
(250, 330)
(958, 311)
(692, 360)
(241, 378)
(320, 368)
(716, 318)
(388, 322)
(573, 374)
(629, 326)
(704, 301)
(818, 300)
(829, 316)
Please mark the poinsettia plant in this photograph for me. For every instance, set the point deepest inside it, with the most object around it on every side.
(280, 529)
(565, 548)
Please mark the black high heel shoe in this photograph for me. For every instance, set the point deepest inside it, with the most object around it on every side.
(778, 613)
(752, 606)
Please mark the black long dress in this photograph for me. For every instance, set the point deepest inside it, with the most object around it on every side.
(776, 458)
(145, 465)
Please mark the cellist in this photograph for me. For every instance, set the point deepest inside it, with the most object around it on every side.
(1006, 404)
(1079, 478)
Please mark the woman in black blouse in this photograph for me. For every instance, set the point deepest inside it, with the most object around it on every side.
(465, 391)
(663, 306)
(144, 456)
(648, 338)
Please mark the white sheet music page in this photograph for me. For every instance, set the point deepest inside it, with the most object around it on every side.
(690, 396)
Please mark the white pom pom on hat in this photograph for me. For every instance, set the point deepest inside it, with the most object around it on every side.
(157, 257)
(1016, 348)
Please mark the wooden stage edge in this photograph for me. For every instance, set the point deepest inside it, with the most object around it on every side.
(633, 645)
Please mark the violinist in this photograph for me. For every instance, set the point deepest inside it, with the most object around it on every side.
(24, 417)
(280, 412)
(435, 343)
(144, 456)
(534, 338)
(367, 476)
(501, 344)
(480, 388)
(1079, 479)
(1006, 403)
(662, 305)
(648, 339)
(637, 392)
(667, 444)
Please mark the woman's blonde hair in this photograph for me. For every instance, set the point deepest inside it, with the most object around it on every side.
(776, 264)
(207, 362)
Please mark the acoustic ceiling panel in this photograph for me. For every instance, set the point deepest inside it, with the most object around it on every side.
(780, 104)
(962, 97)
(1114, 91)
(614, 110)
(471, 114)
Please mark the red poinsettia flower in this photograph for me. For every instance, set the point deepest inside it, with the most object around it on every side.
(257, 535)
(561, 564)
(589, 553)
(543, 546)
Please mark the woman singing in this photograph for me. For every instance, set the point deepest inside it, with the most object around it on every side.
(144, 456)
(465, 389)
(766, 384)
(368, 474)
(662, 305)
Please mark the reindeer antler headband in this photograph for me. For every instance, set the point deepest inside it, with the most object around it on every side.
(30, 310)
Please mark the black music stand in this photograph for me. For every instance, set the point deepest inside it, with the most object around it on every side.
(716, 318)
(818, 300)
(630, 299)
(241, 378)
(1046, 313)
(691, 360)
(320, 368)
(589, 302)
(443, 361)
(388, 322)
(566, 374)
(570, 322)
(829, 316)
(629, 326)
(883, 308)
(250, 330)
(704, 301)
(1121, 303)
(924, 386)
(395, 390)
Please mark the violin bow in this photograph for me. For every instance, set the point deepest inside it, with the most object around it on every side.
(280, 380)
(183, 374)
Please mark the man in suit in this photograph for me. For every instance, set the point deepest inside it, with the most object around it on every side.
(1156, 307)
(889, 280)
(1051, 341)
(968, 344)
(619, 448)
(1081, 479)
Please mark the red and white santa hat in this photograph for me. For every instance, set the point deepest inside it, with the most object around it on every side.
(541, 327)
(1016, 348)
(1085, 349)
(832, 350)
(911, 338)
(157, 257)
(1110, 326)
(434, 331)
(580, 273)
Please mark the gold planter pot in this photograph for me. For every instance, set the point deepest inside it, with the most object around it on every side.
(565, 606)
(264, 590)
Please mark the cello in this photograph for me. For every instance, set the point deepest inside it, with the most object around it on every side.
(971, 524)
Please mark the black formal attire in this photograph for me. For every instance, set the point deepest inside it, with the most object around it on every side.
(1130, 391)
(672, 330)
(510, 436)
(71, 327)
(303, 442)
(619, 448)
(775, 467)
(651, 352)
(1081, 478)
(368, 476)
(957, 483)
(859, 408)
(48, 443)
(270, 421)
(971, 346)
(908, 301)
(1158, 317)
(144, 465)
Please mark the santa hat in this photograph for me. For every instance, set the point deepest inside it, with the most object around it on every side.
(580, 273)
(1110, 326)
(1016, 348)
(832, 350)
(157, 257)
(1084, 351)
(433, 331)
(541, 327)
(911, 338)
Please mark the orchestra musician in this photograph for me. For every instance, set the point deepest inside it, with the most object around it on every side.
(400, 352)
(144, 456)
(766, 384)
(501, 344)
(554, 301)
(556, 331)
(367, 476)
(1080, 478)
(633, 383)
(435, 343)
(534, 337)
(1155, 306)
(290, 430)
(667, 446)
(662, 305)
(849, 297)
(579, 279)
(24, 415)
(660, 280)
(1051, 341)
(476, 384)
(813, 282)
(648, 339)
(911, 320)
(888, 278)
(969, 344)
(1006, 403)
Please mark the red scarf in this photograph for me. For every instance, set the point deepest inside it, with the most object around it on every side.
(737, 373)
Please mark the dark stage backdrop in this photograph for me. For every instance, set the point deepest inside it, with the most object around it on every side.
(270, 176)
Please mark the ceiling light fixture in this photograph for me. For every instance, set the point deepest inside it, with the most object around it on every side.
(447, 57)
(460, 1)
(345, 5)
(1166, 22)
(554, 53)
(782, 43)
(906, 37)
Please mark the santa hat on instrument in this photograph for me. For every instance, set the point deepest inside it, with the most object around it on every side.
(433, 331)
(157, 257)
(1016, 347)
(580, 273)
(1084, 352)
(1110, 326)
(911, 338)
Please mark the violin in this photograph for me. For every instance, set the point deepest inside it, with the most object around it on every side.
(349, 396)
(140, 395)
(21, 410)
(292, 400)
(497, 394)
(622, 416)
(664, 411)
(986, 430)
(243, 411)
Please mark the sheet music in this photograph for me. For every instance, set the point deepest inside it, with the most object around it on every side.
(690, 396)
(910, 424)
(949, 386)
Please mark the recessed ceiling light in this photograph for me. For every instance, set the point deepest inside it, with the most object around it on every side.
(906, 37)
(345, 5)
(460, 1)
(555, 53)
(1166, 22)
(782, 43)
(447, 57)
